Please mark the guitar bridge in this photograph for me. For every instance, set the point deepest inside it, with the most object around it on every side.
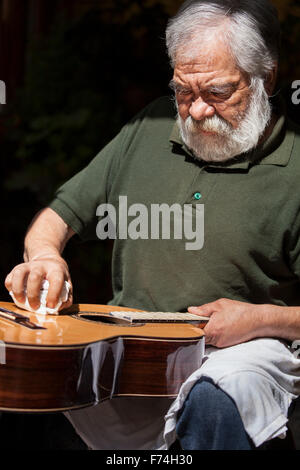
(19, 319)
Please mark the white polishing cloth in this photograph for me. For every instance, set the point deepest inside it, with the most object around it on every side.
(43, 299)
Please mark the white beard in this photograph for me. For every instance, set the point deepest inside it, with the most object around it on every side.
(228, 142)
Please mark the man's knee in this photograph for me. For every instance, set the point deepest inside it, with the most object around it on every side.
(210, 420)
(207, 399)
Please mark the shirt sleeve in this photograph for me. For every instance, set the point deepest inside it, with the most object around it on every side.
(77, 200)
(294, 247)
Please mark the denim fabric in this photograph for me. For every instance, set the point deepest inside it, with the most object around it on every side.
(210, 420)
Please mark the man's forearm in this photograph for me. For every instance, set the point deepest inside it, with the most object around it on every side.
(46, 236)
(281, 322)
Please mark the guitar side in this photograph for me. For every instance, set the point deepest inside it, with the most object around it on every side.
(149, 360)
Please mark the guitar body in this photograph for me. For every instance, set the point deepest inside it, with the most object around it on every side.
(79, 358)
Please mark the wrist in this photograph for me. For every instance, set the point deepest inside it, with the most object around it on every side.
(51, 254)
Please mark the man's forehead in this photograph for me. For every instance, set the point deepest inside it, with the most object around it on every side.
(202, 77)
(210, 58)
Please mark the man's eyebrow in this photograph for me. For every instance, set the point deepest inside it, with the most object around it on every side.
(216, 88)
(176, 86)
(222, 88)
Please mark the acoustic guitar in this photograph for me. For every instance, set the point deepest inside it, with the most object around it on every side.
(87, 354)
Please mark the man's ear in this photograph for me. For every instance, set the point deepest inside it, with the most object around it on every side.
(270, 81)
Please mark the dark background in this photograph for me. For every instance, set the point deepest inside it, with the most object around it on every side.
(76, 71)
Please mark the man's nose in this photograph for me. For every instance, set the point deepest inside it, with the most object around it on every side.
(200, 110)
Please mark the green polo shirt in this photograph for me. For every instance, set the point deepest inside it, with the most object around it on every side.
(251, 248)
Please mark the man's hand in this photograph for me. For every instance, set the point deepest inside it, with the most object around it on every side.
(44, 243)
(33, 273)
(231, 322)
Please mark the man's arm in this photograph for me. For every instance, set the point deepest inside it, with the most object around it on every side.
(44, 243)
(233, 322)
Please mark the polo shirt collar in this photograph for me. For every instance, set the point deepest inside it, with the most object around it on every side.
(276, 150)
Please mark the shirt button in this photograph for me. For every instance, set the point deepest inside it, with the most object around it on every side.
(197, 196)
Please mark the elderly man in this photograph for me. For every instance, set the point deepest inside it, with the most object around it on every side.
(230, 148)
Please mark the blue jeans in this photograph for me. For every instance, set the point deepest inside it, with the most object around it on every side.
(210, 420)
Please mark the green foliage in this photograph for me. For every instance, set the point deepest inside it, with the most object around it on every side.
(289, 13)
(82, 83)
(59, 115)
(78, 86)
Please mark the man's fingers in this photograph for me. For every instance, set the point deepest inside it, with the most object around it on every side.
(28, 278)
(16, 282)
(206, 310)
(34, 284)
(56, 282)
(8, 281)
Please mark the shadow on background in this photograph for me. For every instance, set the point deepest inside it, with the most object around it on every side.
(85, 73)
(76, 71)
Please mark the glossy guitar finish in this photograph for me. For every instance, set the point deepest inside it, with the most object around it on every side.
(69, 362)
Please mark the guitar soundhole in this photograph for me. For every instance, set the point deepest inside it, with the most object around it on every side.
(106, 319)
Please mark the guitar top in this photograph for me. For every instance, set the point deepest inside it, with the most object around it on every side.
(84, 324)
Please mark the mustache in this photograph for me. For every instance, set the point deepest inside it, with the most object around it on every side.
(214, 124)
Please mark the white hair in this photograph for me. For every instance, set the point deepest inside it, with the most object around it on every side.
(250, 28)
